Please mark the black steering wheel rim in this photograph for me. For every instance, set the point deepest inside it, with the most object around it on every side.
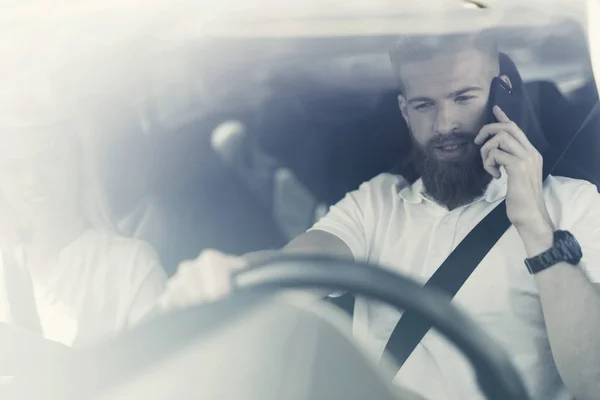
(497, 377)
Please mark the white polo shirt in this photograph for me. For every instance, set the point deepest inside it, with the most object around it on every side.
(394, 224)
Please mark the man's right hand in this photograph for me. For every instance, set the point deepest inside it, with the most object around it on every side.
(205, 279)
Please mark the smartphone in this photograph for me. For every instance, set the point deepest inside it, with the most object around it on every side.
(502, 95)
(518, 109)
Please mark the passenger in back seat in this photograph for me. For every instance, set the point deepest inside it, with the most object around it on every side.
(64, 272)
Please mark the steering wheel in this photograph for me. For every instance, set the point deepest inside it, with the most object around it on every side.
(93, 371)
(497, 377)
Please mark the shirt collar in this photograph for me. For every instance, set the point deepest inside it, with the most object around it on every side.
(495, 191)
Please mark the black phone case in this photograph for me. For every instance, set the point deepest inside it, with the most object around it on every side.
(502, 95)
(516, 106)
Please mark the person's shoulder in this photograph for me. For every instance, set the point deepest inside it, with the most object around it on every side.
(388, 179)
(118, 252)
(569, 194)
(114, 243)
(562, 187)
(385, 183)
(382, 191)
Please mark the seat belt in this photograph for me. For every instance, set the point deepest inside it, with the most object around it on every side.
(459, 265)
(19, 294)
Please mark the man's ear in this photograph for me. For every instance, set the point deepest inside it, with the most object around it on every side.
(506, 80)
(403, 107)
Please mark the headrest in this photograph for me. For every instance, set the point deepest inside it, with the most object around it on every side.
(508, 68)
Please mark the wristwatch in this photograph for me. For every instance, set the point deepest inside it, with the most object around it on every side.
(565, 249)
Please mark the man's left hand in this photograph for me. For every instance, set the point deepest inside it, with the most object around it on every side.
(509, 147)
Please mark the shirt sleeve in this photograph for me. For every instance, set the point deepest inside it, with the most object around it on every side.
(353, 219)
(584, 204)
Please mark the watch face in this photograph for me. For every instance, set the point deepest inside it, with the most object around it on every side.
(568, 247)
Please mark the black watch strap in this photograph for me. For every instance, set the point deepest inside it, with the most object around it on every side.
(565, 248)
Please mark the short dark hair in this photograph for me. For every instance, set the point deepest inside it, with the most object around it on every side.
(422, 48)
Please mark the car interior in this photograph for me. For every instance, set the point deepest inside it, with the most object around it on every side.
(274, 348)
(323, 109)
(326, 111)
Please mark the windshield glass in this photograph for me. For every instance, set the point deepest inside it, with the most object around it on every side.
(136, 135)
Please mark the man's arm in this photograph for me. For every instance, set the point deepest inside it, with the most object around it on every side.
(570, 302)
(571, 307)
(341, 233)
(312, 242)
(315, 242)
(208, 278)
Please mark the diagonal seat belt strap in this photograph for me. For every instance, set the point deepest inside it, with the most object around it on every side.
(19, 293)
(449, 277)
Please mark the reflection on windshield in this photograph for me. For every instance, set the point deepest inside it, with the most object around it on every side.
(121, 165)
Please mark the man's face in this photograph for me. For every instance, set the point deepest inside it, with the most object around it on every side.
(445, 105)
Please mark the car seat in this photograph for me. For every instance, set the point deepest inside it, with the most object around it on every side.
(204, 202)
(170, 189)
(581, 161)
(276, 188)
(583, 99)
(551, 109)
(333, 139)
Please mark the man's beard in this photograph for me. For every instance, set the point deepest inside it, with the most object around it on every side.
(452, 183)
